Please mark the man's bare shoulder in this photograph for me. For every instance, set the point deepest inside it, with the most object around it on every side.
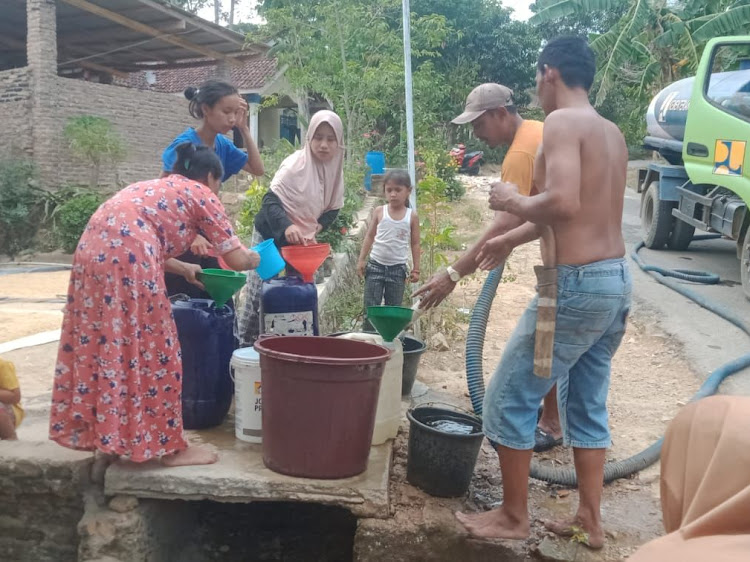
(561, 124)
(614, 130)
(580, 122)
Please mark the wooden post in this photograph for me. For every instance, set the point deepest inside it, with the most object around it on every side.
(544, 343)
(546, 275)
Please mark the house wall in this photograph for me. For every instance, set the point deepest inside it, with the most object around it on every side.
(15, 109)
(37, 104)
(146, 121)
(269, 121)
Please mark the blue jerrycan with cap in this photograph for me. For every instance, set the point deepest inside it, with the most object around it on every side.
(206, 335)
(289, 307)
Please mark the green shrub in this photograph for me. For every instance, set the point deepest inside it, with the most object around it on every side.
(250, 207)
(72, 218)
(95, 141)
(439, 163)
(273, 156)
(337, 233)
(20, 205)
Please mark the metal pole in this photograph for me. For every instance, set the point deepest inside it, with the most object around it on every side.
(406, 11)
(409, 108)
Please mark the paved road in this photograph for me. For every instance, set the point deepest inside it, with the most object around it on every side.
(708, 340)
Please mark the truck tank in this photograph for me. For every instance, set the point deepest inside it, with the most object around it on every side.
(667, 112)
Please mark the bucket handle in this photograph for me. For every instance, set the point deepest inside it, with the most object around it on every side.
(436, 403)
(231, 369)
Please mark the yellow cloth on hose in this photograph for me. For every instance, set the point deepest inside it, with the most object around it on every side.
(9, 381)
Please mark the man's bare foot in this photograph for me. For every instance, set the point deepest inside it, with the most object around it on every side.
(193, 455)
(494, 524)
(568, 528)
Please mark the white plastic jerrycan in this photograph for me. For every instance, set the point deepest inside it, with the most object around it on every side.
(388, 415)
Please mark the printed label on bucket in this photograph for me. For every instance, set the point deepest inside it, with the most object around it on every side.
(257, 387)
(256, 404)
(289, 323)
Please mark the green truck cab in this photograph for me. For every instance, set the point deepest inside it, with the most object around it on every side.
(701, 127)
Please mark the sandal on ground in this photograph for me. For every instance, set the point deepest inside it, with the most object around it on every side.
(544, 441)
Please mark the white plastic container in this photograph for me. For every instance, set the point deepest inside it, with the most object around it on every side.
(388, 415)
(248, 407)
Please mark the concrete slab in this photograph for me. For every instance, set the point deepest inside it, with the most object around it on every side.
(41, 453)
(241, 476)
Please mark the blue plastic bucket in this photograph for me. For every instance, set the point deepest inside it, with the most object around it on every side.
(271, 262)
(376, 165)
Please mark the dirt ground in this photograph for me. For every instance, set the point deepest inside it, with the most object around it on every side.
(31, 303)
(650, 382)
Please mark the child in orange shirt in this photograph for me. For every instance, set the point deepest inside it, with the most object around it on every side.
(11, 412)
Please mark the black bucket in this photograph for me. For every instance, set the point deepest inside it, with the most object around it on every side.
(413, 350)
(439, 462)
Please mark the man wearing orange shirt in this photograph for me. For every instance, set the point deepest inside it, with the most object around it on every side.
(495, 119)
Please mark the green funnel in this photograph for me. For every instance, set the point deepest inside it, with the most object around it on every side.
(389, 320)
(221, 284)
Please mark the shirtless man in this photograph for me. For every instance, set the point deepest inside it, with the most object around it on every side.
(493, 116)
(581, 178)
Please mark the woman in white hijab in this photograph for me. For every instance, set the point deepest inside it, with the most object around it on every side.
(305, 197)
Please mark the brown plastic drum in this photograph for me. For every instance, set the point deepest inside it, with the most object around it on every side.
(320, 396)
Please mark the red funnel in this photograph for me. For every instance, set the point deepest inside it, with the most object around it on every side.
(306, 259)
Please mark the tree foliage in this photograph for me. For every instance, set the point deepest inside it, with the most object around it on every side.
(654, 42)
(191, 6)
(351, 53)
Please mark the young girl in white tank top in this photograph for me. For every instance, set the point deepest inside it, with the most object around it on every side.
(393, 230)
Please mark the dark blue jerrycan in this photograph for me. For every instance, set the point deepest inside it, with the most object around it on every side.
(289, 307)
(207, 340)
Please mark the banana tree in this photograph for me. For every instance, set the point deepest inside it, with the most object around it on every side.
(656, 42)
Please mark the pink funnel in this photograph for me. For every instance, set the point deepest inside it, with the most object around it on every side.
(306, 259)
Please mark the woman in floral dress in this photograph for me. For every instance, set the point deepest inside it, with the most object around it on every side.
(118, 377)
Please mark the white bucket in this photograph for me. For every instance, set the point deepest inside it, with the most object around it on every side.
(245, 369)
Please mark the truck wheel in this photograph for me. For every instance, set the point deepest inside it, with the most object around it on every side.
(656, 218)
(681, 236)
(745, 265)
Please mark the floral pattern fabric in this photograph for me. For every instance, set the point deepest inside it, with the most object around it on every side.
(118, 376)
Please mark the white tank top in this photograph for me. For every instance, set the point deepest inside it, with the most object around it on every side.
(392, 240)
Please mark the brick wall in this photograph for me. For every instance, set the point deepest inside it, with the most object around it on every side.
(15, 112)
(146, 121)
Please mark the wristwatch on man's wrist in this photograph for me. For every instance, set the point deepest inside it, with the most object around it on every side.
(453, 274)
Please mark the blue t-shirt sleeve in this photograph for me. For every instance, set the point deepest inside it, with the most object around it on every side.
(169, 156)
(232, 157)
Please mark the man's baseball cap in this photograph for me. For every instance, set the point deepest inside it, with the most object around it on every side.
(482, 98)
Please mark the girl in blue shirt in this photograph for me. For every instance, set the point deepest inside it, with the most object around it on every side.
(220, 108)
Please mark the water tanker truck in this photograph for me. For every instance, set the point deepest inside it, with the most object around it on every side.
(701, 128)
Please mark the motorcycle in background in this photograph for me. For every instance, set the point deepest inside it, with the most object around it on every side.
(468, 162)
